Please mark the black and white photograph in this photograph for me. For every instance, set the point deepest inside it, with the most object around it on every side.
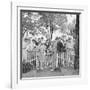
(49, 43)
(45, 45)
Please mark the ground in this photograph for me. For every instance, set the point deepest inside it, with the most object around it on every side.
(46, 73)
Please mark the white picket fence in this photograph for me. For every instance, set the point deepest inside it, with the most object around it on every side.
(66, 58)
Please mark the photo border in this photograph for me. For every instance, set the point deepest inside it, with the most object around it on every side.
(21, 10)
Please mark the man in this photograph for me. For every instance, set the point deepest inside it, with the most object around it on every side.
(40, 54)
(60, 49)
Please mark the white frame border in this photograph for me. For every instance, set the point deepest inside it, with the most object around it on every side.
(15, 79)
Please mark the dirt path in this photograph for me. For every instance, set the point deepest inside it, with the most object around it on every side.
(46, 73)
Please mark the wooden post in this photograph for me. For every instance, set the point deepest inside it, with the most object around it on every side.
(57, 60)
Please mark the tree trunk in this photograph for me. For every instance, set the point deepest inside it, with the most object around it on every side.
(51, 29)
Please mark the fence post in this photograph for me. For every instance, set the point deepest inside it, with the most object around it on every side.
(57, 60)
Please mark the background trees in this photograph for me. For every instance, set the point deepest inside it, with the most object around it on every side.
(36, 20)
